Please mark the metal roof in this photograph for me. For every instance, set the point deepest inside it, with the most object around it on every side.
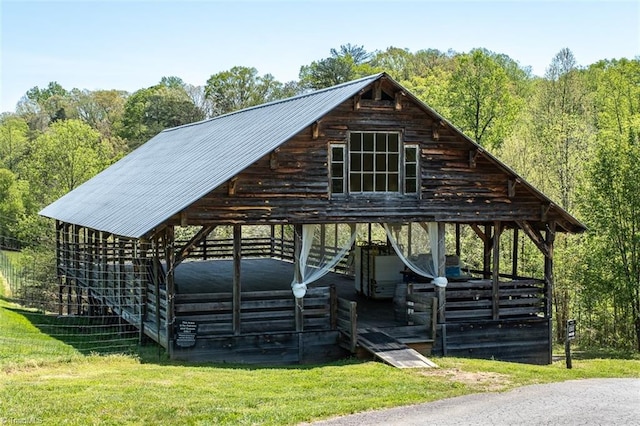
(180, 165)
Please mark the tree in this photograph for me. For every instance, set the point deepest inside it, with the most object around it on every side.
(13, 141)
(43, 106)
(68, 154)
(394, 61)
(562, 134)
(12, 206)
(562, 125)
(100, 109)
(149, 111)
(242, 87)
(482, 102)
(345, 64)
(611, 198)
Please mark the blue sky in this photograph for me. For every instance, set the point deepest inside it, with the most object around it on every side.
(129, 45)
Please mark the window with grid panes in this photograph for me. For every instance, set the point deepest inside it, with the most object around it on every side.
(374, 162)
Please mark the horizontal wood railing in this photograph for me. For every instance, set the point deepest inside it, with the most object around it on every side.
(261, 247)
(472, 300)
(260, 311)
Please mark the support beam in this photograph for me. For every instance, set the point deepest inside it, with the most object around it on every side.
(458, 248)
(442, 270)
(237, 259)
(484, 237)
(398, 100)
(155, 277)
(169, 241)
(273, 158)
(473, 158)
(535, 236)
(377, 90)
(511, 188)
(495, 272)
(549, 281)
(77, 274)
(514, 253)
(201, 235)
(297, 250)
(544, 212)
(488, 246)
(231, 187)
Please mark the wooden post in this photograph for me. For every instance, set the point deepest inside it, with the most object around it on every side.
(122, 277)
(297, 250)
(442, 271)
(495, 273)
(458, 252)
(273, 241)
(169, 241)
(104, 274)
(141, 272)
(333, 307)
(549, 281)
(60, 272)
(156, 285)
(353, 322)
(323, 239)
(514, 254)
(76, 269)
(488, 243)
(237, 259)
(61, 284)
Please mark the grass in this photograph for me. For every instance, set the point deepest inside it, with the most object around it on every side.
(123, 390)
(46, 381)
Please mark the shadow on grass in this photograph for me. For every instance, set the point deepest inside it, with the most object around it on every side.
(604, 353)
(101, 335)
(108, 335)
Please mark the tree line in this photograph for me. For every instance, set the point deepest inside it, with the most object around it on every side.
(573, 133)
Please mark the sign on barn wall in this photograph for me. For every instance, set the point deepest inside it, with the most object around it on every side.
(186, 332)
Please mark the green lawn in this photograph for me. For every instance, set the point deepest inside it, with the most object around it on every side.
(44, 381)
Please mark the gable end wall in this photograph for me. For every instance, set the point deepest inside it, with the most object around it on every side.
(293, 184)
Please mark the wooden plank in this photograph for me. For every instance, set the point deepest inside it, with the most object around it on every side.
(391, 351)
(520, 340)
(211, 307)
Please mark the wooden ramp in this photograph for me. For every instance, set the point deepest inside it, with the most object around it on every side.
(391, 351)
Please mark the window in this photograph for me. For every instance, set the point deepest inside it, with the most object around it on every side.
(337, 168)
(374, 162)
(410, 169)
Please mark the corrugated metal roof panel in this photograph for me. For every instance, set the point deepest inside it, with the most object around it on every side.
(180, 165)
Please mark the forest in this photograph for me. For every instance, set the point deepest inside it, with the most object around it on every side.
(574, 133)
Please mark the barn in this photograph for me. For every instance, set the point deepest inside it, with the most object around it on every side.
(332, 223)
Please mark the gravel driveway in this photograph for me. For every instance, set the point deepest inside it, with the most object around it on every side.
(575, 402)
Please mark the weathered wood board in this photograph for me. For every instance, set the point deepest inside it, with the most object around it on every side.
(391, 351)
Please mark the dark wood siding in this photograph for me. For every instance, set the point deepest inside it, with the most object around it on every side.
(458, 184)
(525, 341)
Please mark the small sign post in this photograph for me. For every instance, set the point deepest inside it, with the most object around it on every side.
(570, 335)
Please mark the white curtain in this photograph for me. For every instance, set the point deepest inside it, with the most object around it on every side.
(417, 245)
(323, 246)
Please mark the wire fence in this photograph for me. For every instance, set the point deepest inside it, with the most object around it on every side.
(38, 318)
